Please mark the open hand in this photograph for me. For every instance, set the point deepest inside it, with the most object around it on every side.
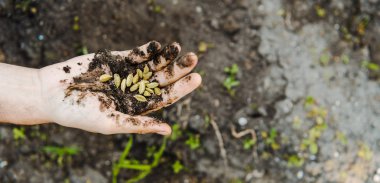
(95, 111)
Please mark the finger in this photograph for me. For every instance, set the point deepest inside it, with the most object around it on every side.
(176, 69)
(175, 91)
(140, 54)
(167, 54)
(123, 123)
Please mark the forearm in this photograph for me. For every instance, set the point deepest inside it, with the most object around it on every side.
(20, 96)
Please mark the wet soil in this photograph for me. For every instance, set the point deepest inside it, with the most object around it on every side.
(125, 101)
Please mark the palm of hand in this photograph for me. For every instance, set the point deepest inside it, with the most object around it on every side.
(96, 112)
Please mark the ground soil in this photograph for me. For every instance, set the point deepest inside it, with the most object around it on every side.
(278, 46)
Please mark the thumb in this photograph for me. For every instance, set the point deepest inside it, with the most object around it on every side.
(123, 123)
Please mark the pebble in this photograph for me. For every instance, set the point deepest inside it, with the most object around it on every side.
(40, 37)
(242, 121)
(300, 174)
(376, 178)
(198, 9)
(3, 164)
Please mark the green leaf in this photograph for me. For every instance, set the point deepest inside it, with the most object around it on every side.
(177, 167)
(313, 148)
(18, 133)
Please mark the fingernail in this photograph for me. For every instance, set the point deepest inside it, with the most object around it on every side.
(165, 133)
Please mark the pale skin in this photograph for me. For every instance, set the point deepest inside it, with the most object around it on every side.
(37, 96)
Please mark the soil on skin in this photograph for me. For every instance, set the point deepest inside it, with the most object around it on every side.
(124, 101)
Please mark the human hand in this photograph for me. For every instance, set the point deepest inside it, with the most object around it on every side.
(74, 96)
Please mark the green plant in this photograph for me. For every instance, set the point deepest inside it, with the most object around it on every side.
(230, 82)
(271, 140)
(321, 12)
(144, 169)
(59, 153)
(365, 152)
(341, 137)
(345, 59)
(309, 101)
(207, 120)
(193, 141)
(18, 133)
(325, 59)
(176, 132)
(370, 65)
(295, 161)
(177, 167)
(204, 46)
(76, 23)
(248, 143)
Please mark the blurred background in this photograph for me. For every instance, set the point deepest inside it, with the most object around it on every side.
(290, 91)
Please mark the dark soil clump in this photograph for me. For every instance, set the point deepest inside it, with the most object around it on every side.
(67, 69)
(124, 102)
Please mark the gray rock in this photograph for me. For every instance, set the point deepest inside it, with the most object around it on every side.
(88, 175)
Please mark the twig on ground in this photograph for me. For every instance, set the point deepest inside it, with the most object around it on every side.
(240, 134)
(223, 151)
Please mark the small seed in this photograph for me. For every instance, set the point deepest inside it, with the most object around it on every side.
(129, 80)
(116, 80)
(147, 75)
(149, 90)
(144, 81)
(123, 85)
(157, 91)
(140, 98)
(146, 69)
(105, 78)
(135, 78)
(152, 85)
(139, 72)
(141, 87)
(134, 87)
(147, 94)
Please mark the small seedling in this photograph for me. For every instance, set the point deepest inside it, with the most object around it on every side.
(19, 133)
(248, 143)
(76, 23)
(345, 59)
(207, 120)
(325, 59)
(230, 82)
(309, 101)
(321, 12)
(193, 141)
(370, 65)
(177, 167)
(341, 137)
(203, 46)
(144, 169)
(176, 132)
(295, 161)
(365, 152)
(271, 140)
(59, 153)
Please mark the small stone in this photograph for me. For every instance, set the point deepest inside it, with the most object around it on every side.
(376, 178)
(300, 174)
(242, 121)
(198, 9)
(262, 111)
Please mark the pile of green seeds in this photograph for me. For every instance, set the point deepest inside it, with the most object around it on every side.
(138, 82)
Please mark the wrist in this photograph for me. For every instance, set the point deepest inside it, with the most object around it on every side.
(21, 99)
